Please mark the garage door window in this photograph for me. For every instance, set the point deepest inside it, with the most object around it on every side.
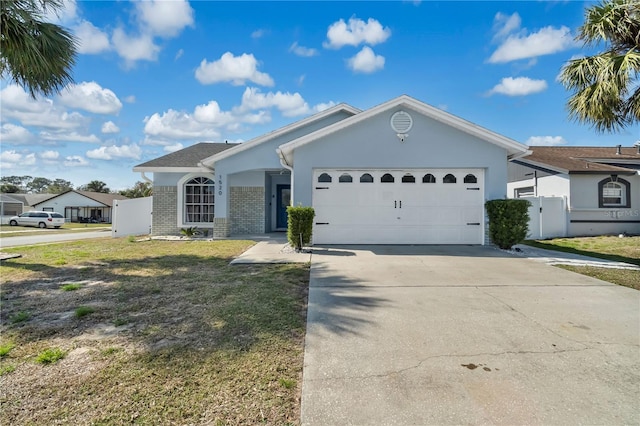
(324, 178)
(408, 178)
(345, 178)
(387, 178)
(428, 178)
(449, 178)
(470, 179)
(366, 178)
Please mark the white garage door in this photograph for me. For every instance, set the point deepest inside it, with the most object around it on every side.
(416, 206)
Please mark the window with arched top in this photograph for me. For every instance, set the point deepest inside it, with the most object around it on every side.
(408, 178)
(387, 178)
(614, 192)
(199, 200)
(428, 178)
(324, 178)
(345, 178)
(366, 178)
(470, 178)
(449, 178)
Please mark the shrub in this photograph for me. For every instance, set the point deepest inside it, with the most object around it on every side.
(49, 356)
(82, 311)
(300, 225)
(508, 221)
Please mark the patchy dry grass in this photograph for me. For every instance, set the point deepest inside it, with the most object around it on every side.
(177, 335)
(7, 231)
(611, 248)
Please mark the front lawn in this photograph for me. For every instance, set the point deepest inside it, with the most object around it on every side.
(7, 231)
(625, 249)
(154, 332)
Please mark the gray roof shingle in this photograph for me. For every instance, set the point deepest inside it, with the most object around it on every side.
(580, 159)
(189, 156)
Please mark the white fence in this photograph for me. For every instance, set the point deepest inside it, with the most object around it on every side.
(131, 217)
(547, 217)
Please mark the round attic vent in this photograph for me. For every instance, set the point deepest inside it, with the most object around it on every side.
(401, 122)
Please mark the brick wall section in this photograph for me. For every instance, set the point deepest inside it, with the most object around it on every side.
(165, 205)
(246, 210)
(220, 227)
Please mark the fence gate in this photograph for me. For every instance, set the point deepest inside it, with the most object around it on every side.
(132, 217)
(547, 217)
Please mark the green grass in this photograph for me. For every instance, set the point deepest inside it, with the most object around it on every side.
(8, 368)
(19, 316)
(49, 356)
(70, 287)
(5, 348)
(202, 342)
(610, 248)
(83, 311)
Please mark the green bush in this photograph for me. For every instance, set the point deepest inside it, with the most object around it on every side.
(508, 221)
(300, 225)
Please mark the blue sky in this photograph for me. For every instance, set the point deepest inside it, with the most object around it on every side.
(155, 76)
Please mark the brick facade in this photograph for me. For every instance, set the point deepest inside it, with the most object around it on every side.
(246, 210)
(165, 206)
(220, 227)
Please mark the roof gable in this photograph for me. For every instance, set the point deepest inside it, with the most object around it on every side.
(210, 161)
(186, 159)
(513, 148)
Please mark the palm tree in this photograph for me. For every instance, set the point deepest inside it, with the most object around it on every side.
(605, 89)
(35, 54)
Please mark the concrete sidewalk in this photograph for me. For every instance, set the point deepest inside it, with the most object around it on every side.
(270, 248)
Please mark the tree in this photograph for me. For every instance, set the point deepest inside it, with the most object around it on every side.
(9, 188)
(58, 186)
(38, 185)
(35, 54)
(139, 190)
(605, 89)
(95, 186)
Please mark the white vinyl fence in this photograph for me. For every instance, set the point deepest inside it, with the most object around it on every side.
(131, 217)
(547, 217)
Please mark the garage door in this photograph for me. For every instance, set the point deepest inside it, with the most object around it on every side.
(414, 206)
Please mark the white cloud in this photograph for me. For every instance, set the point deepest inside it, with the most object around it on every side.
(72, 136)
(64, 15)
(289, 104)
(519, 86)
(366, 61)
(303, 51)
(75, 161)
(234, 69)
(12, 159)
(49, 155)
(109, 127)
(211, 114)
(259, 33)
(178, 125)
(546, 141)
(113, 152)
(544, 42)
(173, 147)
(10, 133)
(130, 99)
(91, 40)
(503, 25)
(164, 18)
(90, 96)
(179, 54)
(133, 49)
(355, 32)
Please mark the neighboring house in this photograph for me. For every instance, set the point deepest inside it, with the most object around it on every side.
(402, 172)
(10, 206)
(81, 206)
(28, 201)
(601, 185)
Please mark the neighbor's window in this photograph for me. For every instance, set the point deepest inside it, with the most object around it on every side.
(199, 200)
(614, 192)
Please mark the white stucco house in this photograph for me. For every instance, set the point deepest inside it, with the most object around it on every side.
(600, 185)
(81, 206)
(402, 172)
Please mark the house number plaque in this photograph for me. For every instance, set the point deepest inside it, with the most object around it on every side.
(219, 184)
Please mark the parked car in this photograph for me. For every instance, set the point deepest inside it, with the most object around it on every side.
(39, 219)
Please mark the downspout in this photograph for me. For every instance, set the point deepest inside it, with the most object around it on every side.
(145, 178)
(283, 162)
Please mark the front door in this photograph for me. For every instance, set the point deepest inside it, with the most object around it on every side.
(283, 200)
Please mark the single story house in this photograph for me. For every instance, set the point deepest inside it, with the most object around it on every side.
(402, 172)
(601, 185)
(16, 203)
(81, 206)
(10, 206)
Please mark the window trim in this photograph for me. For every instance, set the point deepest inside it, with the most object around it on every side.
(626, 194)
(180, 201)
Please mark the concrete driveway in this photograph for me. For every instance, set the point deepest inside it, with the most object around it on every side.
(422, 335)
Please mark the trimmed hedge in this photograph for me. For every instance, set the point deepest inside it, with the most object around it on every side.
(508, 221)
(300, 225)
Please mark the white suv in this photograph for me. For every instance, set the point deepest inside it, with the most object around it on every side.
(39, 219)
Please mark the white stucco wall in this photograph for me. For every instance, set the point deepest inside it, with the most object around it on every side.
(373, 144)
(70, 199)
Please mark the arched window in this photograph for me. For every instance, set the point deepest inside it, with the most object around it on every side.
(366, 178)
(408, 178)
(614, 192)
(199, 199)
(345, 177)
(470, 178)
(387, 178)
(324, 178)
(449, 178)
(428, 178)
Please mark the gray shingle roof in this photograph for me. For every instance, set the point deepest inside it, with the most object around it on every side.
(580, 159)
(189, 156)
(105, 198)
